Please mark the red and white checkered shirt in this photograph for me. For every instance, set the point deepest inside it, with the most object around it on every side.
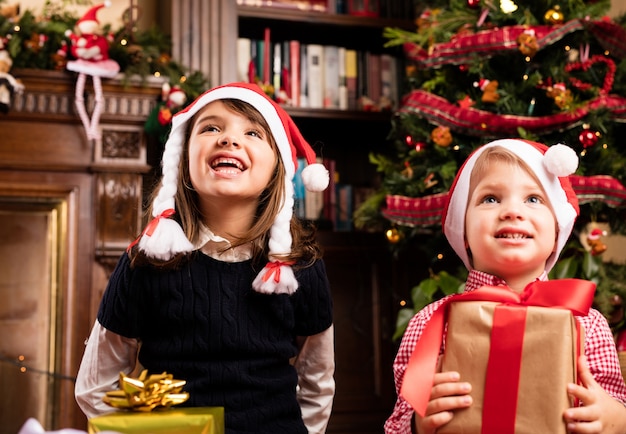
(599, 349)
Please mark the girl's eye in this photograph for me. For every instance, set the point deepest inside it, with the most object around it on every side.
(209, 129)
(489, 199)
(254, 133)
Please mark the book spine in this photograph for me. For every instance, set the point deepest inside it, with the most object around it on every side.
(344, 207)
(299, 190)
(315, 71)
(294, 72)
(304, 76)
(331, 77)
(343, 89)
(266, 56)
(374, 90)
(351, 83)
(243, 59)
(276, 70)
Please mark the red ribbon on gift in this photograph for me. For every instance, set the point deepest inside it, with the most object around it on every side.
(575, 295)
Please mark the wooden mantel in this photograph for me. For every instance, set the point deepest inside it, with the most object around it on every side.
(96, 185)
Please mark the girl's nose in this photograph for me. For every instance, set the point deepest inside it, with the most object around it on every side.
(228, 140)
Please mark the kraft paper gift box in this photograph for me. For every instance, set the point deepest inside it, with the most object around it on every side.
(548, 363)
(192, 420)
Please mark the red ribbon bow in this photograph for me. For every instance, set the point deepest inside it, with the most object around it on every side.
(572, 294)
(152, 225)
(273, 268)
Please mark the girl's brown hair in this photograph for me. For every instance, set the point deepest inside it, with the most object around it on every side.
(304, 247)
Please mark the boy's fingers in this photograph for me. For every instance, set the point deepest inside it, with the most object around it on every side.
(586, 379)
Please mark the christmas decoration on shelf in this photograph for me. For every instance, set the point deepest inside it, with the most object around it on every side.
(41, 41)
(482, 70)
(90, 49)
(9, 85)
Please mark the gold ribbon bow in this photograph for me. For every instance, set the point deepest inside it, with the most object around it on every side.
(147, 392)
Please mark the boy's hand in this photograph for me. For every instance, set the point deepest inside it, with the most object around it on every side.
(447, 394)
(601, 412)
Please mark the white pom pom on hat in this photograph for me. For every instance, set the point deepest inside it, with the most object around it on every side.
(551, 164)
(163, 241)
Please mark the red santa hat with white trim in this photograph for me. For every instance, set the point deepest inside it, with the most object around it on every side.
(165, 237)
(89, 21)
(551, 164)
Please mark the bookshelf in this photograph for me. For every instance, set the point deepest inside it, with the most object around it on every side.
(366, 280)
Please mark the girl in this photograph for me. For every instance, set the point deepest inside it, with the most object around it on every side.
(225, 287)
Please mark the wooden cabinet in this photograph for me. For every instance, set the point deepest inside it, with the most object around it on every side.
(68, 208)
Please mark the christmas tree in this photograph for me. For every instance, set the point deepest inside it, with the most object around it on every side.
(479, 70)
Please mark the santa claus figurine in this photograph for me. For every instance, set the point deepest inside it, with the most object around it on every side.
(91, 52)
(594, 240)
(8, 84)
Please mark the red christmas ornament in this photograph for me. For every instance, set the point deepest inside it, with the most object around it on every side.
(588, 138)
(408, 140)
(473, 3)
(419, 146)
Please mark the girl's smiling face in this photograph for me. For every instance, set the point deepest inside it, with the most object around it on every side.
(509, 224)
(230, 156)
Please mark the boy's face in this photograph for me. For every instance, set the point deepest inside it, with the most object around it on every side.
(509, 224)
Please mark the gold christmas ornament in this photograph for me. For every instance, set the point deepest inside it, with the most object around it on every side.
(393, 235)
(441, 136)
(147, 392)
(554, 15)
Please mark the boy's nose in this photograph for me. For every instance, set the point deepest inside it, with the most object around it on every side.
(511, 210)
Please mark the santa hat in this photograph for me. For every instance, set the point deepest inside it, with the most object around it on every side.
(164, 237)
(91, 16)
(176, 96)
(552, 166)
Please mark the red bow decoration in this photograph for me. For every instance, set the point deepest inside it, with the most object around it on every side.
(273, 268)
(572, 294)
(152, 225)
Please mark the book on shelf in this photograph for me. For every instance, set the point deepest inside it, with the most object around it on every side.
(315, 72)
(321, 76)
(351, 81)
(243, 59)
(299, 190)
(331, 77)
(343, 221)
(303, 5)
(304, 77)
(330, 194)
(343, 89)
(314, 202)
(373, 85)
(285, 74)
(294, 72)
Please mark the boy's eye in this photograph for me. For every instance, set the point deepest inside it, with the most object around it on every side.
(535, 199)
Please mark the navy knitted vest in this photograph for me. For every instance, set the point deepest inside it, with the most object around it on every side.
(204, 324)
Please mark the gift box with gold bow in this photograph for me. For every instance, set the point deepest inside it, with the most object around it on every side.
(146, 407)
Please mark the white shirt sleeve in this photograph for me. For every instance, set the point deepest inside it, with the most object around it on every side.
(106, 355)
(315, 365)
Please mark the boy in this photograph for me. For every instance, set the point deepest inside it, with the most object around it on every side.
(510, 211)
